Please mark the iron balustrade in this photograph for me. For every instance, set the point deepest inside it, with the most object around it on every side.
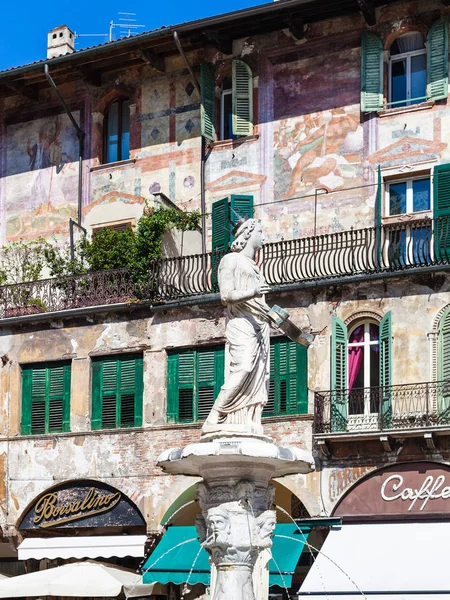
(407, 406)
(389, 248)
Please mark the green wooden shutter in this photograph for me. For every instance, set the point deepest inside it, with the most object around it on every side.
(339, 384)
(205, 388)
(194, 382)
(444, 369)
(437, 60)
(117, 391)
(242, 99)
(186, 386)
(221, 236)
(172, 387)
(130, 392)
(371, 73)
(288, 389)
(109, 393)
(46, 399)
(207, 103)
(386, 370)
(96, 418)
(220, 225)
(240, 206)
(441, 211)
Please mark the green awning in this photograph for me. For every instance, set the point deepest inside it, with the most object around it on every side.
(179, 557)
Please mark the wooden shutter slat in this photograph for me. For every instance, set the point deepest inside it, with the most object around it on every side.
(339, 353)
(371, 73)
(437, 60)
(242, 120)
(207, 103)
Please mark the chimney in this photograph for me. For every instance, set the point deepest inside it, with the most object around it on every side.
(60, 41)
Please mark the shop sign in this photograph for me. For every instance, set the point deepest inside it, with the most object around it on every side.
(415, 488)
(81, 504)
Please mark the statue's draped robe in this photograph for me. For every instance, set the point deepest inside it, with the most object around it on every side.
(243, 396)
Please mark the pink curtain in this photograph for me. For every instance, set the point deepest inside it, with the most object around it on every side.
(355, 356)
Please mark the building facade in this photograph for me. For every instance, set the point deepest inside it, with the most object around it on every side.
(332, 126)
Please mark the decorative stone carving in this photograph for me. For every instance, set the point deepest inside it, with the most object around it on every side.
(234, 532)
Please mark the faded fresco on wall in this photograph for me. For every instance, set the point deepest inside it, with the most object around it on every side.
(42, 177)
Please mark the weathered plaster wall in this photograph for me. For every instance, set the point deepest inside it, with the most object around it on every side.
(126, 459)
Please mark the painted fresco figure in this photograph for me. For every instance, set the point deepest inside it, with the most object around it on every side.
(41, 152)
(242, 287)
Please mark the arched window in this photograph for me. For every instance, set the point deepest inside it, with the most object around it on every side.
(117, 131)
(361, 373)
(416, 73)
(408, 70)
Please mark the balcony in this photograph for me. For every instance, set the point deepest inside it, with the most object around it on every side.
(419, 246)
(407, 410)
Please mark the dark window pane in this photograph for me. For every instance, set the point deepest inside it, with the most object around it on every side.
(421, 244)
(398, 82)
(398, 248)
(356, 380)
(227, 116)
(418, 76)
(397, 198)
(125, 142)
(112, 136)
(357, 335)
(374, 332)
(421, 195)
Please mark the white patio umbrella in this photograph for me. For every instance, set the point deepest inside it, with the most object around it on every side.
(3, 576)
(87, 578)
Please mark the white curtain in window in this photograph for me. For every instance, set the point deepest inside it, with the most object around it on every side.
(408, 43)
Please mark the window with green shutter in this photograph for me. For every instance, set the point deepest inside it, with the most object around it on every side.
(46, 398)
(288, 390)
(117, 391)
(371, 73)
(194, 381)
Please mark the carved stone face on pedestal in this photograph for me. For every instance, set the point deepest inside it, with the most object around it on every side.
(234, 532)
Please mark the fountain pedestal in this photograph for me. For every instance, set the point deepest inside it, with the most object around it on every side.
(237, 522)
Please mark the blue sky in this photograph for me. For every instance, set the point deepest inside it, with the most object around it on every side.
(25, 23)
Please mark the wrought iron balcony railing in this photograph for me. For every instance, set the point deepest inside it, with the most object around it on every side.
(408, 406)
(393, 248)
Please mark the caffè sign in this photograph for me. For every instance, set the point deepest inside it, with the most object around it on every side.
(421, 488)
(81, 504)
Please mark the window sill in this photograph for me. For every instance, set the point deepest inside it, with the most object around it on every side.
(113, 165)
(387, 112)
(234, 143)
(408, 218)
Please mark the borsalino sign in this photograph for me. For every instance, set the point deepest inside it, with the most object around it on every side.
(410, 488)
(81, 504)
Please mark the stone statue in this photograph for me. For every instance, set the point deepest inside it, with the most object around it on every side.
(239, 405)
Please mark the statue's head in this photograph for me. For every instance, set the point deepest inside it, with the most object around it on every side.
(247, 231)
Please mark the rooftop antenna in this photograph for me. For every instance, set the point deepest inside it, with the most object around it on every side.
(127, 26)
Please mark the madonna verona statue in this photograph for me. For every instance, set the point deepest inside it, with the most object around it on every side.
(242, 398)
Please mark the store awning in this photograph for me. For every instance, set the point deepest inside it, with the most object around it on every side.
(403, 560)
(179, 557)
(83, 579)
(104, 546)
